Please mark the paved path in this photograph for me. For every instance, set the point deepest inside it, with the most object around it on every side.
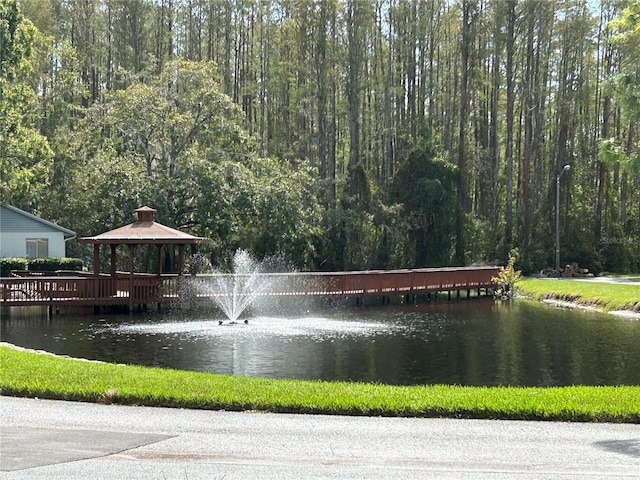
(64, 440)
(618, 280)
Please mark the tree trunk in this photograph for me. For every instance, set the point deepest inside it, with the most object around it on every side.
(495, 98)
(510, 43)
(354, 55)
(468, 12)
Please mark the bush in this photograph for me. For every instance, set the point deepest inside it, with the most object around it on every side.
(8, 264)
(507, 278)
(39, 264)
(53, 264)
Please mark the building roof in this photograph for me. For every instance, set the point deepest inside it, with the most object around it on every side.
(144, 231)
(12, 219)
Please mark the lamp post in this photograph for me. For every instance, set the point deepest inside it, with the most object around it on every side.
(564, 169)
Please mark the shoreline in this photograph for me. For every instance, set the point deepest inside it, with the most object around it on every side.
(628, 314)
(615, 296)
(39, 375)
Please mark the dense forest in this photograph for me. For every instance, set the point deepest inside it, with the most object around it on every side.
(346, 134)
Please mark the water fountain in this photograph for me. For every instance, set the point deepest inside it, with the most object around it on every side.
(236, 291)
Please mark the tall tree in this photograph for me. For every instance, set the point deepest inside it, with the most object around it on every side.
(323, 60)
(25, 155)
(469, 12)
(130, 20)
(356, 13)
(608, 65)
(509, 114)
(425, 186)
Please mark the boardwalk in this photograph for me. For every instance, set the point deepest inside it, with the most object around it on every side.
(73, 288)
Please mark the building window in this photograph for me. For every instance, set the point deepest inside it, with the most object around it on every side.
(37, 247)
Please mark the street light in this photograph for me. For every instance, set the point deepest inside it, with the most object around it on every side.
(564, 169)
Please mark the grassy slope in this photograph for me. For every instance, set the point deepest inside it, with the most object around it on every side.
(25, 373)
(604, 296)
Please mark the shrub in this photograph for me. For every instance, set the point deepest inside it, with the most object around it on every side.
(507, 278)
(53, 264)
(7, 264)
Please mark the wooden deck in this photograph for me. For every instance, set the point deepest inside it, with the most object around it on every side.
(75, 288)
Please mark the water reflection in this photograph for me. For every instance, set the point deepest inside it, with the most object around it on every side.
(466, 343)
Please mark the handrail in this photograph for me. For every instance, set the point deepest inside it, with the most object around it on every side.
(88, 289)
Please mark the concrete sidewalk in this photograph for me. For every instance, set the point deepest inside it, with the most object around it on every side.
(618, 280)
(64, 440)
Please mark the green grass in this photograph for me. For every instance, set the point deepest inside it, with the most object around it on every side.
(601, 295)
(25, 373)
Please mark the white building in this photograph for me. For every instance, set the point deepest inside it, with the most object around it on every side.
(24, 235)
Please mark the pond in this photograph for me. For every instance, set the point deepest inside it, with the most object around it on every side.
(476, 342)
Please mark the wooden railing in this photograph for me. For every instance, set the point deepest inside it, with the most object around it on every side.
(81, 289)
(122, 289)
(379, 282)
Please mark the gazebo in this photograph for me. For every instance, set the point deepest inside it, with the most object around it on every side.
(145, 231)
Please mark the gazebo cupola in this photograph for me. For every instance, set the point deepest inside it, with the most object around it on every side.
(145, 214)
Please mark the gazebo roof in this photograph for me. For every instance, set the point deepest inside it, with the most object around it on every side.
(144, 231)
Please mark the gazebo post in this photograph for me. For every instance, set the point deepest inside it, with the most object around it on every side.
(132, 247)
(180, 259)
(160, 283)
(112, 271)
(96, 259)
(96, 273)
(193, 265)
(159, 257)
(113, 282)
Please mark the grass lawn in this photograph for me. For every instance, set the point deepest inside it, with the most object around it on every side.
(25, 373)
(601, 295)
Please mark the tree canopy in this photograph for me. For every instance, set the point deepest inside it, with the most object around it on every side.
(346, 133)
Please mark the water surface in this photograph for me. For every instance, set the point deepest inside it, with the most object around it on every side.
(473, 342)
